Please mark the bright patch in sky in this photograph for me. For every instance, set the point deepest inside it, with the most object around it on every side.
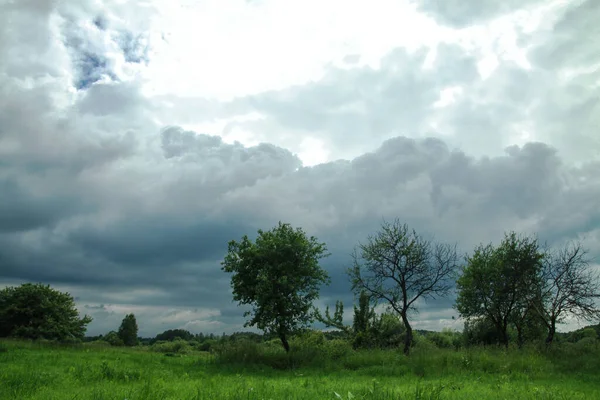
(226, 49)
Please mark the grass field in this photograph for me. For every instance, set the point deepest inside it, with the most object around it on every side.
(44, 371)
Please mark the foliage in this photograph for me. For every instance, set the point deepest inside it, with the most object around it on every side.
(128, 331)
(399, 267)
(446, 339)
(279, 275)
(497, 282)
(172, 334)
(113, 338)
(176, 346)
(36, 311)
(335, 321)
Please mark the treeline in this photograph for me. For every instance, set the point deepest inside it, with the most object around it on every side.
(390, 335)
(516, 285)
(517, 291)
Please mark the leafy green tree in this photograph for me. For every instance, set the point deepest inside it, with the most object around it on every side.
(37, 311)
(364, 322)
(399, 267)
(172, 334)
(279, 275)
(128, 331)
(364, 314)
(498, 282)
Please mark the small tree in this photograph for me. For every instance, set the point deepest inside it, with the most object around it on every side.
(497, 282)
(128, 331)
(279, 275)
(335, 321)
(400, 267)
(568, 287)
(364, 322)
(36, 311)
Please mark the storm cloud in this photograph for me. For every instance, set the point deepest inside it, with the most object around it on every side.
(126, 195)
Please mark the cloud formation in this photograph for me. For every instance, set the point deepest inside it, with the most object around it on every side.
(127, 195)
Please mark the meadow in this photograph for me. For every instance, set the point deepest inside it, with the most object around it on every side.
(31, 370)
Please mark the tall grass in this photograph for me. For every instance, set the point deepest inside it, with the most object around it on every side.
(314, 369)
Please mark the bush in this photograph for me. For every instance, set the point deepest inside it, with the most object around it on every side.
(177, 346)
(307, 349)
(240, 351)
(113, 338)
(207, 345)
(446, 339)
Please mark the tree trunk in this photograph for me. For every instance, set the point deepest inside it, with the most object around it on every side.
(504, 335)
(284, 342)
(409, 335)
(551, 332)
(519, 335)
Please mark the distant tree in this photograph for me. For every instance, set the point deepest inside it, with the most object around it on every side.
(172, 334)
(497, 281)
(36, 311)
(128, 331)
(279, 275)
(399, 267)
(568, 287)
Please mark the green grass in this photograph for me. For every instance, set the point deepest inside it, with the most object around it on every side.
(46, 371)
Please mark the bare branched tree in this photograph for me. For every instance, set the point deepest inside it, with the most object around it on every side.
(568, 287)
(399, 267)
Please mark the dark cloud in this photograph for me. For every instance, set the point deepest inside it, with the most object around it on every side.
(22, 209)
(98, 198)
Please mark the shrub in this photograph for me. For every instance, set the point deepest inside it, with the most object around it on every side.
(113, 338)
(177, 346)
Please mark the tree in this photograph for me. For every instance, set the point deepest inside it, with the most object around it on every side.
(568, 287)
(364, 314)
(172, 334)
(279, 275)
(497, 281)
(37, 311)
(400, 267)
(128, 331)
(335, 321)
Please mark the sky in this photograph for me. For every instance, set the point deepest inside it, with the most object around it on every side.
(138, 137)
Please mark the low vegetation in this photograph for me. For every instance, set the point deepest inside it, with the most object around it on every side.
(315, 368)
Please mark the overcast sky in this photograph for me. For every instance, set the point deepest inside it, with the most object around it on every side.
(138, 137)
